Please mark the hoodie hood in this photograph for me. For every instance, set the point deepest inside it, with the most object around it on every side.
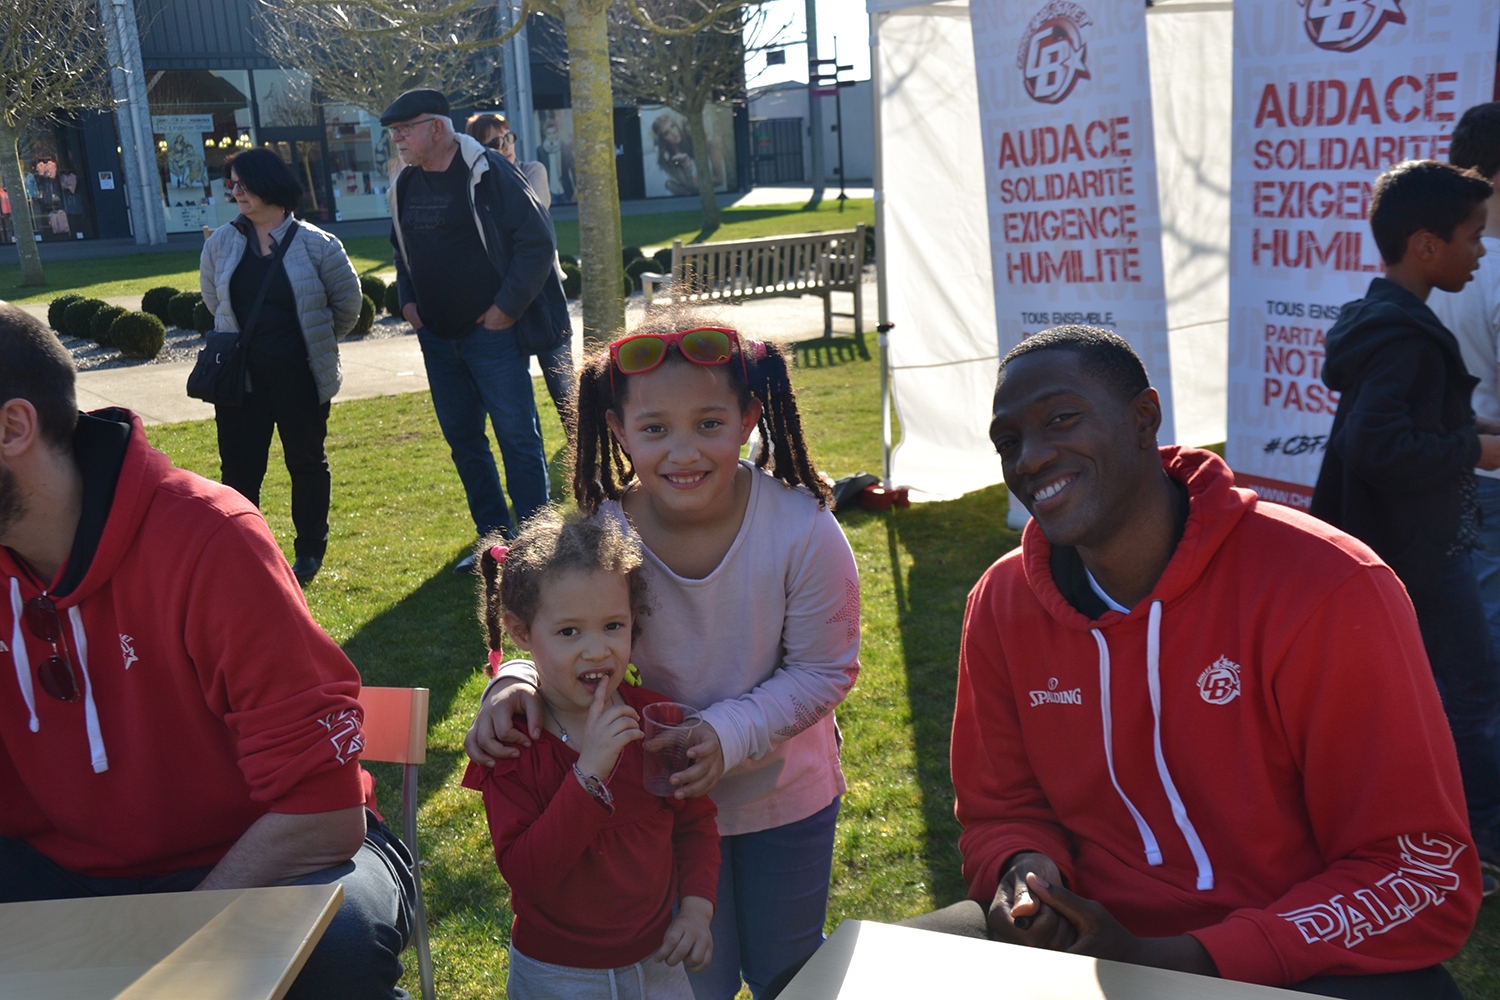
(1215, 506)
(1386, 314)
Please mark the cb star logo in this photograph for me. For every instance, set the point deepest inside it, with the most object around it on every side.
(1219, 684)
(1346, 25)
(1053, 56)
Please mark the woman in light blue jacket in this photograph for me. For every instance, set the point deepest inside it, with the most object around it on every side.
(312, 297)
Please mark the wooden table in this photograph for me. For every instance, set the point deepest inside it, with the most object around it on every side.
(234, 944)
(863, 960)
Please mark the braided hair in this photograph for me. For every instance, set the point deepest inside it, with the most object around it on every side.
(602, 469)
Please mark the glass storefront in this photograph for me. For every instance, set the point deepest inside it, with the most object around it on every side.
(200, 118)
(56, 182)
(360, 160)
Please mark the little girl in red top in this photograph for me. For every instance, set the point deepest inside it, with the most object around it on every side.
(612, 887)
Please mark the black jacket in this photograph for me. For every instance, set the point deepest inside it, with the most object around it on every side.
(518, 235)
(1403, 437)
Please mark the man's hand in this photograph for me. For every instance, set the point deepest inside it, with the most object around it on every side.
(494, 736)
(707, 768)
(409, 313)
(1018, 916)
(608, 730)
(1100, 935)
(1489, 452)
(494, 319)
(688, 939)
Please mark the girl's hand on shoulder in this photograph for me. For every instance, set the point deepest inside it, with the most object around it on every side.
(494, 735)
(708, 766)
(609, 729)
(688, 940)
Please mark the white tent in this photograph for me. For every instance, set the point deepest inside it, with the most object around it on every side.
(931, 219)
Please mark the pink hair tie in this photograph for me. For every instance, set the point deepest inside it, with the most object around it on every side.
(496, 658)
(758, 349)
(498, 553)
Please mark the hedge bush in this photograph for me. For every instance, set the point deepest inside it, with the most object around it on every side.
(572, 280)
(627, 284)
(203, 317)
(630, 255)
(156, 301)
(374, 289)
(636, 268)
(663, 258)
(566, 258)
(366, 317)
(100, 324)
(393, 299)
(180, 309)
(138, 335)
(56, 309)
(78, 317)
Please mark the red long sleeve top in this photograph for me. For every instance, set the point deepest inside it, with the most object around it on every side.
(593, 889)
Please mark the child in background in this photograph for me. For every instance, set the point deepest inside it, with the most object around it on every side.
(596, 864)
(1398, 473)
(756, 618)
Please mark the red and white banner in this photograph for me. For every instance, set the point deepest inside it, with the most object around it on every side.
(1327, 94)
(1070, 171)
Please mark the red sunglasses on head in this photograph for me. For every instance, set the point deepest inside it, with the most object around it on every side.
(707, 345)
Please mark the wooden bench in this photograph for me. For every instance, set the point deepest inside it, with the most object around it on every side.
(807, 264)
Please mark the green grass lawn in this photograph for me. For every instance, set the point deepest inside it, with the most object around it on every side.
(133, 274)
(386, 593)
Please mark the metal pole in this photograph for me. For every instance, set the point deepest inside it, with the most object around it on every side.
(883, 308)
(519, 109)
(132, 122)
(838, 119)
(814, 106)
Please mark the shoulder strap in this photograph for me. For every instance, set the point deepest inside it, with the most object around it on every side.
(265, 284)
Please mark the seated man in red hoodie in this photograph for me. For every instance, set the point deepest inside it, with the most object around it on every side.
(1195, 731)
(174, 719)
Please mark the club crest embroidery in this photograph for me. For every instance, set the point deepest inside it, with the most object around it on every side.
(344, 733)
(1219, 684)
(1053, 56)
(1346, 25)
(127, 650)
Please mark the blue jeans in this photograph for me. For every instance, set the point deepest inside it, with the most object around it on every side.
(356, 959)
(557, 372)
(485, 372)
(1487, 556)
(1467, 670)
(773, 899)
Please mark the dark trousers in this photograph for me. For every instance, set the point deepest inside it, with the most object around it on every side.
(967, 919)
(283, 397)
(557, 372)
(357, 958)
(1467, 670)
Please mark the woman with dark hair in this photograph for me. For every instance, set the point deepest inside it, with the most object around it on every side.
(290, 287)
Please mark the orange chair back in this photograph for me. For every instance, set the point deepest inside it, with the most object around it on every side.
(395, 727)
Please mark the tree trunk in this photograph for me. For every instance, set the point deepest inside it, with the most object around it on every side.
(20, 207)
(703, 162)
(594, 169)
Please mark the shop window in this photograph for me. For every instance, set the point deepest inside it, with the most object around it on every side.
(361, 162)
(200, 119)
(55, 178)
(283, 97)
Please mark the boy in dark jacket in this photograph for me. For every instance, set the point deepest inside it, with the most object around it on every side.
(1398, 473)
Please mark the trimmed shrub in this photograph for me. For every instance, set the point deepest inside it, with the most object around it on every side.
(78, 317)
(393, 299)
(627, 283)
(663, 258)
(374, 289)
(100, 324)
(566, 258)
(138, 335)
(637, 268)
(572, 280)
(630, 255)
(180, 309)
(203, 317)
(366, 317)
(155, 301)
(56, 309)
(870, 244)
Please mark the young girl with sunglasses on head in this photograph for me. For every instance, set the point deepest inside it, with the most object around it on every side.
(612, 887)
(756, 619)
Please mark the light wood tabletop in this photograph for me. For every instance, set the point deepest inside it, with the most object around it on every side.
(233, 944)
(864, 960)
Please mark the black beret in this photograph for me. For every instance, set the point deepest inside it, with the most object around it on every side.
(413, 104)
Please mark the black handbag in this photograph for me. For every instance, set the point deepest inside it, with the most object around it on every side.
(218, 376)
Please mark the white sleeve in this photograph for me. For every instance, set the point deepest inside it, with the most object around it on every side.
(820, 642)
(520, 670)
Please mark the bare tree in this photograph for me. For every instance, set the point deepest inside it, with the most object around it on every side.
(688, 55)
(367, 54)
(51, 62)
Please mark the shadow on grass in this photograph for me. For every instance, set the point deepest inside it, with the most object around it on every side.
(828, 352)
(950, 545)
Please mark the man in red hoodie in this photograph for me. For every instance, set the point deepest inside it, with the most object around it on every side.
(174, 718)
(1195, 731)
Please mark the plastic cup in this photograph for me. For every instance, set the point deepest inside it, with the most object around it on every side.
(669, 729)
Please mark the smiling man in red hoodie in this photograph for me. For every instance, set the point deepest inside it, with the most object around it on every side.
(171, 717)
(1193, 730)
